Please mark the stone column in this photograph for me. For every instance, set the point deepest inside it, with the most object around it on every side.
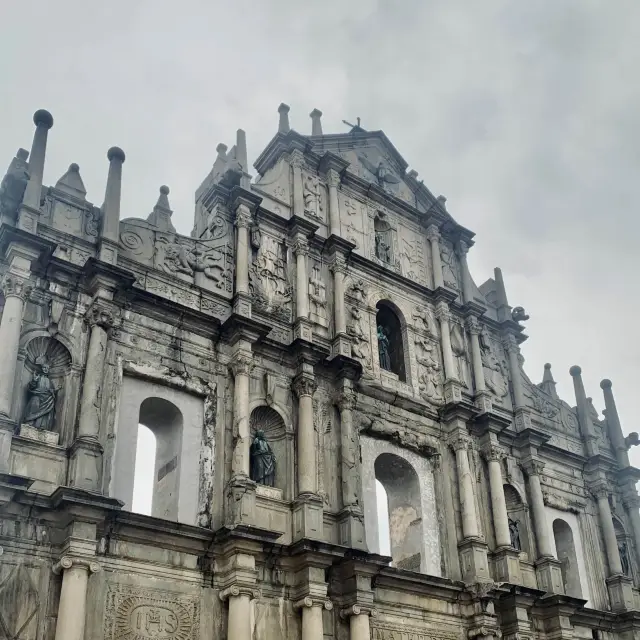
(72, 609)
(613, 424)
(631, 502)
(483, 397)
(460, 444)
(239, 618)
(301, 251)
(608, 531)
(16, 290)
(359, 628)
(534, 468)
(304, 387)
(443, 315)
(513, 350)
(494, 455)
(242, 222)
(111, 209)
(241, 366)
(297, 160)
(31, 201)
(433, 235)
(333, 179)
(462, 250)
(312, 625)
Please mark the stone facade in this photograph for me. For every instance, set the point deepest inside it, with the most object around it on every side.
(327, 304)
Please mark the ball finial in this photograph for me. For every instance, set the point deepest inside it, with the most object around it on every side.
(547, 366)
(42, 118)
(164, 190)
(575, 370)
(605, 384)
(115, 153)
(74, 168)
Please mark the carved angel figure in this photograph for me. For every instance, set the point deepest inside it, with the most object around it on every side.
(382, 174)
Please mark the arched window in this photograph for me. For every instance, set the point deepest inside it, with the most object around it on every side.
(144, 473)
(400, 482)
(164, 420)
(390, 341)
(565, 548)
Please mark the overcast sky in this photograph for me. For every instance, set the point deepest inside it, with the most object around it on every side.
(525, 115)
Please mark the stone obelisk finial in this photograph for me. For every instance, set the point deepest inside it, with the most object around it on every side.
(111, 206)
(582, 406)
(283, 124)
(316, 122)
(613, 424)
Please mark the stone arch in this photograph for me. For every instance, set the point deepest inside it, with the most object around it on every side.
(408, 481)
(566, 553)
(272, 423)
(391, 323)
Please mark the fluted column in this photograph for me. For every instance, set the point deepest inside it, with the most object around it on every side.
(513, 350)
(33, 192)
(349, 455)
(301, 251)
(462, 249)
(494, 454)
(312, 624)
(359, 627)
(239, 617)
(72, 608)
(16, 291)
(460, 444)
(242, 222)
(333, 179)
(608, 531)
(534, 469)
(613, 424)
(304, 387)
(338, 269)
(241, 366)
(111, 209)
(443, 315)
(433, 235)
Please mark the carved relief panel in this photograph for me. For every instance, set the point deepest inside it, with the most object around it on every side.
(70, 216)
(494, 365)
(353, 221)
(314, 197)
(359, 323)
(450, 266)
(276, 184)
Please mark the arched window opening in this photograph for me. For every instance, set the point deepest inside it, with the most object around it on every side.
(382, 503)
(390, 341)
(624, 546)
(402, 487)
(144, 471)
(164, 420)
(565, 548)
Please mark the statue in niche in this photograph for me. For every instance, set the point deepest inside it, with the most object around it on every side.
(383, 251)
(624, 557)
(263, 461)
(41, 404)
(514, 533)
(384, 348)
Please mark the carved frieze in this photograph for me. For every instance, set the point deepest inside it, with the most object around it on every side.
(404, 434)
(399, 631)
(138, 613)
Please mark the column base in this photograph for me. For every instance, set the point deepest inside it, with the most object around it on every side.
(549, 574)
(452, 391)
(620, 593)
(351, 528)
(307, 517)
(85, 468)
(242, 304)
(473, 560)
(507, 565)
(240, 495)
(303, 330)
(483, 402)
(7, 429)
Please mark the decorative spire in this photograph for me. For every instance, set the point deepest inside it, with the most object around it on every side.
(283, 125)
(548, 384)
(43, 121)
(504, 311)
(111, 206)
(160, 217)
(71, 182)
(316, 123)
(613, 424)
(582, 406)
(222, 151)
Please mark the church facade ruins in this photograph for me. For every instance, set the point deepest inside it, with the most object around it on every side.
(317, 340)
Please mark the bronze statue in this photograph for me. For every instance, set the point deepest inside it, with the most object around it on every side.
(263, 461)
(41, 405)
(624, 557)
(514, 533)
(384, 348)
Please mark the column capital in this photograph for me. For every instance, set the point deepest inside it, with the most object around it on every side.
(442, 311)
(14, 286)
(339, 264)
(243, 216)
(600, 490)
(462, 248)
(239, 590)
(296, 159)
(242, 363)
(304, 385)
(333, 178)
(433, 233)
(511, 344)
(308, 602)
(101, 315)
(300, 246)
(473, 326)
(346, 400)
(459, 441)
(493, 453)
(533, 467)
(356, 610)
(66, 562)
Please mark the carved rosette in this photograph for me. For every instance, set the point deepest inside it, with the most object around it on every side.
(242, 364)
(16, 287)
(304, 386)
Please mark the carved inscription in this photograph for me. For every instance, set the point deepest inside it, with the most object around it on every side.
(149, 614)
(391, 632)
